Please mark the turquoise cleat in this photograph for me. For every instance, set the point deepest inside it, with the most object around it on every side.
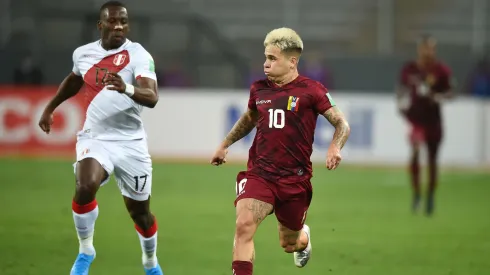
(154, 271)
(82, 264)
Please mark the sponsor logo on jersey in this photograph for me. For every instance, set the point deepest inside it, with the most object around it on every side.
(89, 56)
(263, 101)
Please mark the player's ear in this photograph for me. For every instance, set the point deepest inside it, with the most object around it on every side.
(99, 25)
(294, 61)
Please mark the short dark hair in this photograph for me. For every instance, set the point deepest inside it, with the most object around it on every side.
(111, 4)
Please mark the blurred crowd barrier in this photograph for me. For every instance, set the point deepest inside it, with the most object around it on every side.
(188, 124)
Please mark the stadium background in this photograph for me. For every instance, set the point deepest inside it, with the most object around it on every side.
(206, 54)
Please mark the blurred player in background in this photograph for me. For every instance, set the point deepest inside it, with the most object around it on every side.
(113, 138)
(424, 84)
(284, 108)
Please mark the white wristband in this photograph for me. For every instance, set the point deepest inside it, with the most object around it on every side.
(129, 90)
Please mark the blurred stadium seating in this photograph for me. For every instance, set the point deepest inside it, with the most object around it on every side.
(216, 39)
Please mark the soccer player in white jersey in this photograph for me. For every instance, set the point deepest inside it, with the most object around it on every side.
(119, 78)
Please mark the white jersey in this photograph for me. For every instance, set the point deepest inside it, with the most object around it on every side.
(111, 115)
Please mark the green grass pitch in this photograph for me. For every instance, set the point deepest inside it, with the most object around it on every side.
(360, 219)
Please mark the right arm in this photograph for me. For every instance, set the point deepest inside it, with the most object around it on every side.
(403, 90)
(242, 128)
(68, 88)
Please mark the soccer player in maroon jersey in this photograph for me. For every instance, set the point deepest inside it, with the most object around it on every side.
(284, 107)
(424, 83)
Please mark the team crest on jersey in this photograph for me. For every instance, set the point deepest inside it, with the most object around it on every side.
(119, 59)
(293, 103)
(430, 79)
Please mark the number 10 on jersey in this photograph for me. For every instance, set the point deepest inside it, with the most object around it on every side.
(277, 118)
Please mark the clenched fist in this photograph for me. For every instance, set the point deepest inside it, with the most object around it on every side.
(46, 121)
(333, 157)
(115, 82)
(219, 156)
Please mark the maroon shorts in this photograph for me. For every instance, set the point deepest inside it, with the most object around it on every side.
(424, 134)
(290, 201)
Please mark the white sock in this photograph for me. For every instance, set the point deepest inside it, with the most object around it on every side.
(85, 226)
(307, 231)
(149, 248)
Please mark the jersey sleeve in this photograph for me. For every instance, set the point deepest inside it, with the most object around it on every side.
(322, 100)
(404, 75)
(446, 79)
(144, 66)
(75, 69)
(252, 105)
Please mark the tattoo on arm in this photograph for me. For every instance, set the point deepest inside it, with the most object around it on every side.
(342, 128)
(242, 127)
(259, 209)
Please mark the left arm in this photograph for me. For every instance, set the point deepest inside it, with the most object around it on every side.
(342, 128)
(145, 94)
(448, 94)
(446, 86)
(325, 105)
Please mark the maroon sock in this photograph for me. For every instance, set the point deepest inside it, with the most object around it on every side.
(242, 268)
(433, 149)
(415, 176)
(432, 177)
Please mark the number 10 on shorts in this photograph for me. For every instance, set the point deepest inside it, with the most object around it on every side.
(240, 187)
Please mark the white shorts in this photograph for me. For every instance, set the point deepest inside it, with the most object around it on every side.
(129, 160)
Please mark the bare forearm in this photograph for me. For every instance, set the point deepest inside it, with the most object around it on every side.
(242, 128)
(145, 96)
(342, 128)
(341, 134)
(67, 89)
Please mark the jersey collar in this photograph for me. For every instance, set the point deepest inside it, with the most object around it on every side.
(126, 43)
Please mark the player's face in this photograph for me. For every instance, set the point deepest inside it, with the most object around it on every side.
(427, 50)
(277, 63)
(114, 26)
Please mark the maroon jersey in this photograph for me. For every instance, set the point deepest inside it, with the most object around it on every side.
(285, 128)
(252, 153)
(422, 82)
